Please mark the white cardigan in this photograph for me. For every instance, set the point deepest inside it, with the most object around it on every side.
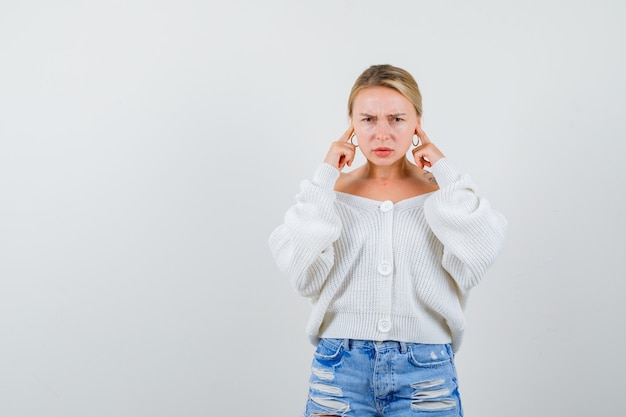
(375, 270)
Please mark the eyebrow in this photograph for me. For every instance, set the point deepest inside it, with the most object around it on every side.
(389, 115)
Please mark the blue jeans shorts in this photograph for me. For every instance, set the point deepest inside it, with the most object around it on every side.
(364, 378)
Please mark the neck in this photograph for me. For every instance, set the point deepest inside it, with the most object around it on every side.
(397, 170)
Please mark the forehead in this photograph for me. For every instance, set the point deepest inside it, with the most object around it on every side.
(381, 99)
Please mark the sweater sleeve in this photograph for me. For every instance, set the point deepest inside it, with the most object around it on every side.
(303, 245)
(472, 233)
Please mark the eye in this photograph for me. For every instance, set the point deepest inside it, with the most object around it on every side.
(398, 119)
(366, 119)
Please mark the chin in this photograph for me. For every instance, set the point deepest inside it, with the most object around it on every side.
(383, 162)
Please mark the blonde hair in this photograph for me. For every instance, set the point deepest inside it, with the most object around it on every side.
(390, 77)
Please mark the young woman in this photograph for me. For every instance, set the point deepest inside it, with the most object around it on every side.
(387, 253)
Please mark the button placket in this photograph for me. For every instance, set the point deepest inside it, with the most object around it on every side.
(385, 266)
(384, 325)
(386, 206)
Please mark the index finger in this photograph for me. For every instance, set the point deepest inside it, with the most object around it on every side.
(347, 135)
(423, 137)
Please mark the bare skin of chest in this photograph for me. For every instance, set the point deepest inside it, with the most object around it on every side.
(415, 182)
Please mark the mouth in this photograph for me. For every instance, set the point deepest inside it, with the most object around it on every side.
(382, 151)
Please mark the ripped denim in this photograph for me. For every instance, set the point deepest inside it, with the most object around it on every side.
(364, 378)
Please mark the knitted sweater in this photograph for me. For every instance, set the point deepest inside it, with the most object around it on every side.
(376, 270)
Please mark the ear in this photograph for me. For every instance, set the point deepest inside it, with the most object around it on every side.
(419, 123)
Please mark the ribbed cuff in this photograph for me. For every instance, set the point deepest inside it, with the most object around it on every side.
(444, 172)
(325, 176)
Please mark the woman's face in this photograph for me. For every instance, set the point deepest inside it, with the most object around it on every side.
(384, 122)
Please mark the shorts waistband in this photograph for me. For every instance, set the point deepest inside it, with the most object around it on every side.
(375, 345)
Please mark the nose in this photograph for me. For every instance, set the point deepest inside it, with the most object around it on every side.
(382, 130)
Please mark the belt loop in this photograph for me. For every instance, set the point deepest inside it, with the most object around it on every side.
(346, 344)
(403, 348)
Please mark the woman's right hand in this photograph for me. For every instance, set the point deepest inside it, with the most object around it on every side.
(341, 152)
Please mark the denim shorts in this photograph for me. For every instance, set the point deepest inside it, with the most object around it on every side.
(363, 378)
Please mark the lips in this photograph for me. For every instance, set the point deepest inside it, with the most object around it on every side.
(382, 151)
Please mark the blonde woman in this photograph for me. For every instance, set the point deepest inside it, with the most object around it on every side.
(387, 253)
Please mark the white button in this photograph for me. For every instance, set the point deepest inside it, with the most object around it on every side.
(386, 206)
(384, 325)
(384, 268)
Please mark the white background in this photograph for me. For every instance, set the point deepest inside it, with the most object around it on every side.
(148, 149)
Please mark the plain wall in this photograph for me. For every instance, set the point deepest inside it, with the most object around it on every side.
(148, 149)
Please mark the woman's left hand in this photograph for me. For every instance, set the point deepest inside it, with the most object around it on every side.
(426, 154)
